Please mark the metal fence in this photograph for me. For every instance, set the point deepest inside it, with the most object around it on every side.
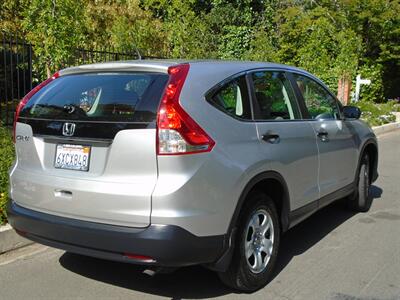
(19, 73)
(15, 74)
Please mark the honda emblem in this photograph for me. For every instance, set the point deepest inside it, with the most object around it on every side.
(68, 129)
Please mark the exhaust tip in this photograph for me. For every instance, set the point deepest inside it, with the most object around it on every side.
(158, 270)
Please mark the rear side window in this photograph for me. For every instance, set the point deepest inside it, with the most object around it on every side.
(119, 97)
(274, 96)
(233, 98)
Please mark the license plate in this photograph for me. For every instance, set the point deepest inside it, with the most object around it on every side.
(72, 157)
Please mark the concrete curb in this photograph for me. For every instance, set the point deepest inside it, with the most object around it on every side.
(10, 240)
(379, 130)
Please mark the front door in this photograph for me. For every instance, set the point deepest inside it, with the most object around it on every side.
(337, 150)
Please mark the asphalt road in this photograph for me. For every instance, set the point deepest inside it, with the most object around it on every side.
(335, 254)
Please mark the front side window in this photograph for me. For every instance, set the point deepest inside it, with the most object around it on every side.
(319, 103)
(233, 98)
(274, 96)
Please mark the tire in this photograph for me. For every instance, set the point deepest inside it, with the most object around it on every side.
(247, 273)
(361, 199)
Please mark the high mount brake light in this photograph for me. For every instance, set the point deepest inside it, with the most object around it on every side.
(28, 96)
(177, 132)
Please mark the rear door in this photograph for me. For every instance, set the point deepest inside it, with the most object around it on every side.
(337, 150)
(88, 147)
(286, 141)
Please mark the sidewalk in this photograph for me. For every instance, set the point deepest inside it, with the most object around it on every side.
(10, 240)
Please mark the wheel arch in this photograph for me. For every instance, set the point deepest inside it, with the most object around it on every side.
(255, 183)
(275, 186)
(370, 147)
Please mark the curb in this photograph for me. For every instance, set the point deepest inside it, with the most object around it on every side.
(10, 240)
(379, 130)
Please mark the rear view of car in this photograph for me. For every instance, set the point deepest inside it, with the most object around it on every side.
(100, 168)
(85, 149)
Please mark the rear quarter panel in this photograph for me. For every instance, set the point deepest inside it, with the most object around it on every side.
(199, 192)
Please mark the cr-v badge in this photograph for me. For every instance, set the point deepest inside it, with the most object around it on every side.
(68, 129)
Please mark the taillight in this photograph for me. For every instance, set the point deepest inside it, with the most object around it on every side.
(28, 96)
(177, 132)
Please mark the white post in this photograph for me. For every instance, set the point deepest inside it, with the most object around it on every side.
(359, 82)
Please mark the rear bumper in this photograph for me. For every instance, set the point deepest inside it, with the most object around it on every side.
(167, 245)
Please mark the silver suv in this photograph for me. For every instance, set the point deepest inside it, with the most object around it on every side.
(175, 163)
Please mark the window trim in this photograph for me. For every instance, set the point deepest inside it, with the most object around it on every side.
(305, 117)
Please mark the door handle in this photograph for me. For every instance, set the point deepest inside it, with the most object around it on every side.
(323, 135)
(270, 137)
(62, 193)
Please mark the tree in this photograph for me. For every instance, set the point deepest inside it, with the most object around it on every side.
(55, 28)
(186, 30)
(333, 39)
(10, 15)
(125, 26)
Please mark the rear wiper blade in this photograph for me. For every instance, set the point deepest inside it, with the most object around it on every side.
(69, 108)
(73, 109)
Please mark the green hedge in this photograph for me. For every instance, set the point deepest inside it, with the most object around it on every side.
(6, 159)
(377, 114)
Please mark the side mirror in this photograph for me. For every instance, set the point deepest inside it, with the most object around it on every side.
(351, 112)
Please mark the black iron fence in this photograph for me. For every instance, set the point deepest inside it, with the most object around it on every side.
(15, 74)
(19, 72)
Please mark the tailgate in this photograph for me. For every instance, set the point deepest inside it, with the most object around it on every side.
(88, 151)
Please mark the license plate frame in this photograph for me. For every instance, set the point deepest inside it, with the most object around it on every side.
(64, 162)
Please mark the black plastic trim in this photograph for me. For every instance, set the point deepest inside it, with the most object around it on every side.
(224, 260)
(285, 205)
(300, 214)
(84, 129)
(341, 193)
(299, 97)
(375, 174)
(167, 245)
(288, 218)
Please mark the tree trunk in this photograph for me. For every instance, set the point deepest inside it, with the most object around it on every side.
(48, 70)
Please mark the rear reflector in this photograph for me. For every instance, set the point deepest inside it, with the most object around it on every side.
(139, 258)
(178, 133)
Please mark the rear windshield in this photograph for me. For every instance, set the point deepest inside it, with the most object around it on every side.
(119, 97)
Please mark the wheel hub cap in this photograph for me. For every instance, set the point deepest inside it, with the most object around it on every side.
(259, 241)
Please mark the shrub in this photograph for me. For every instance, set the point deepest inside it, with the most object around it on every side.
(374, 91)
(377, 114)
(6, 159)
